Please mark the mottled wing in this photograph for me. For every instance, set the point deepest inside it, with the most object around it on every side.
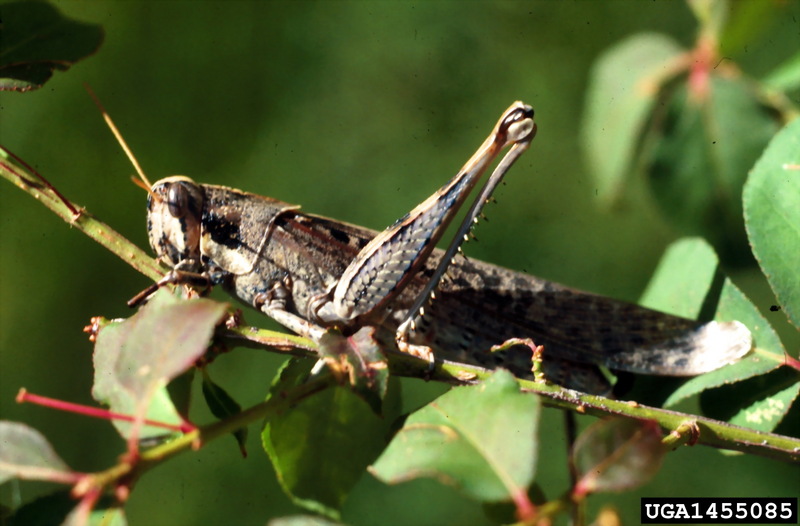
(480, 305)
(575, 325)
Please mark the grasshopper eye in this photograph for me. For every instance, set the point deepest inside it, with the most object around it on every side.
(178, 200)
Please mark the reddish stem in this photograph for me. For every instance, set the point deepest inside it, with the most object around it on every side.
(704, 57)
(95, 412)
(84, 508)
(526, 510)
(67, 202)
(792, 362)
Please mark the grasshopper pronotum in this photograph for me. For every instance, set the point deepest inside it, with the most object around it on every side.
(309, 272)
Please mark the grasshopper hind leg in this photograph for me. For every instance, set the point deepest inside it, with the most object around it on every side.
(381, 271)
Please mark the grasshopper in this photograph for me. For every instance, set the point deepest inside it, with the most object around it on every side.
(309, 273)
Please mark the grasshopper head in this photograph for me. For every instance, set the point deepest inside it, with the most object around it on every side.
(174, 212)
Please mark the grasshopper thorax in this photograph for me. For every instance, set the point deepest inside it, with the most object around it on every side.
(174, 213)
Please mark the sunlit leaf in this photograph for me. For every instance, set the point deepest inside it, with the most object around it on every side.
(134, 360)
(37, 40)
(26, 454)
(617, 454)
(787, 75)
(681, 282)
(766, 355)
(759, 403)
(711, 15)
(303, 520)
(772, 217)
(765, 414)
(109, 513)
(624, 84)
(322, 445)
(481, 439)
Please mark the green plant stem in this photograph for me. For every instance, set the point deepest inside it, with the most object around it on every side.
(690, 429)
(13, 169)
(711, 432)
(687, 433)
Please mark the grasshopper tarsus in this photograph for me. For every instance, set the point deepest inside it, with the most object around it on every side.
(143, 295)
(173, 277)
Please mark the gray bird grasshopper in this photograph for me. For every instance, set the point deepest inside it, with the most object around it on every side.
(309, 272)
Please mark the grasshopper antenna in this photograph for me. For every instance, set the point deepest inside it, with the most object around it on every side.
(142, 182)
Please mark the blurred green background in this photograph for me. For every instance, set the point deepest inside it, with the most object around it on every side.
(357, 111)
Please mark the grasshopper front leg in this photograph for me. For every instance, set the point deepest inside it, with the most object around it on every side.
(383, 269)
(273, 304)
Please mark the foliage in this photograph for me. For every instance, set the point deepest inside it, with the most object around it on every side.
(678, 122)
(663, 122)
(37, 40)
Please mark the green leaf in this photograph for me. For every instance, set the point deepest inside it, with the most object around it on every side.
(711, 15)
(26, 454)
(772, 217)
(108, 512)
(49, 509)
(623, 87)
(36, 40)
(700, 158)
(481, 439)
(303, 520)
(684, 284)
(222, 405)
(785, 77)
(60, 508)
(766, 413)
(747, 24)
(759, 403)
(681, 282)
(617, 454)
(321, 446)
(767, 355)
(134, 360)
(180, 392)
